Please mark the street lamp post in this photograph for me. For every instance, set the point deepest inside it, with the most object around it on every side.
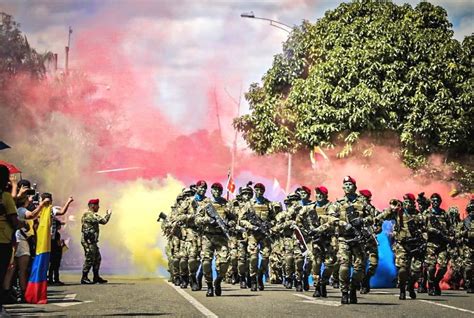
(287, 28)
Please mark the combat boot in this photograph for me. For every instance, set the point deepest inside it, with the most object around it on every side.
(260, 282)
(194, 283)
(411, 289)
(421, 286)
(431, 289)
(243, 283)
(249, 281)
(365, 289)
(437, 289)
(335, 283)
(177, 281)
(199, 280)
(184, 281)
(85, 280)
(403, 294)
(345, 298)
(470, 290)
(253, 283)
(98, 279)
(289, 283)
(235, 278)
(353, 296)
(217, 287)
(317, 290)
(324, 292)
(299, 285)
(305, 282)
(210, 290)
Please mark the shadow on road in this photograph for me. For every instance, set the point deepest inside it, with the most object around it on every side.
(137, 314)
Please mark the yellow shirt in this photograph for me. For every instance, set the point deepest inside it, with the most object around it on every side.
(6, 230)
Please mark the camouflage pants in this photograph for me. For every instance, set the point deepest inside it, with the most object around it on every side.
(350, 255)
(243, 262)
(233, 257)
(455, 254)
(468, 261)
(92, 257)
(189, 257)
(322, 253)
(259, 244)
(409, 266)
(276, 261)
(436, 254)
(214, 244)
(335, 249)
(173, 257)
(371, 255)
(294, 259)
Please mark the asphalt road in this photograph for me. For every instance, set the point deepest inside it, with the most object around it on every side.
(128, 296)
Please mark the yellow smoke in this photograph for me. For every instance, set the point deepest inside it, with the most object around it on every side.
(133, 224)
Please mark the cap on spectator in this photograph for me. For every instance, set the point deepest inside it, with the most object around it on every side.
(322, 190)
(217, 185)
(93, 201)
(366, 193)
(349, 179)
(409, 196)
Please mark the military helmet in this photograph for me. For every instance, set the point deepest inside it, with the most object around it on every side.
(247, 189)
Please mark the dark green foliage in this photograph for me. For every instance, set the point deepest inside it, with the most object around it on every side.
(369, 69)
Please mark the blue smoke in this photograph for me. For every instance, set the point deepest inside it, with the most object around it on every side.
(386, 273)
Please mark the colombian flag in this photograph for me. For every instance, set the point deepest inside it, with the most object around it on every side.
(36, 290)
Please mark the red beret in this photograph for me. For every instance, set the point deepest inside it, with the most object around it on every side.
(349, 179)
(366, 193)
(322, 189)
(93, 201)
(217, 185)
(259, 185)
(409, 196)
(306, 189)
(201, 183)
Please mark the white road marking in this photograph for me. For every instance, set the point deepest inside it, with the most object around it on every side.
(206, 312)
(446, 306)
(69, 300)
(318, 301)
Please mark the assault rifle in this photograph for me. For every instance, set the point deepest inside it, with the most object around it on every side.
(361, 232)
(212, 213)
(440, 235)
(263, 226)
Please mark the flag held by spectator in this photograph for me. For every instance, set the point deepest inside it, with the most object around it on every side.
(36, 290)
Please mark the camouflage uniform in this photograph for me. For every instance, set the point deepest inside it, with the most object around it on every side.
(188, 248)
(437, 223)
(232, 275)
(349, 215)
(173, 235)
(322, 247)
(90, 237)
(455, 249)
(409, 247)
(214, 242)
(466, 234)
(292, 250)
(371, 252)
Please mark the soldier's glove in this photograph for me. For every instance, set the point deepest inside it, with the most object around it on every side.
(211, 221)
(357, 222)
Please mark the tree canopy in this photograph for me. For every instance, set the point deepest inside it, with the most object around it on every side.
(369, 69)
(16, 55)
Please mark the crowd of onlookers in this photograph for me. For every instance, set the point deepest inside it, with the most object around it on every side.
(20, 207)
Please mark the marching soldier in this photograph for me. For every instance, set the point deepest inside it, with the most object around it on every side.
(246, 194)
(423, 206)
(306, 204)
(371, 247)
(285, 225)
(437, 223)
(215, 238)
(90, 237)
(189, 247)
(466, 233)
(409, 247)
(350, 215)
(455, 248)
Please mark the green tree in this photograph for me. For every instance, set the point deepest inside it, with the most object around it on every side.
(369, 69)
(16, 55)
